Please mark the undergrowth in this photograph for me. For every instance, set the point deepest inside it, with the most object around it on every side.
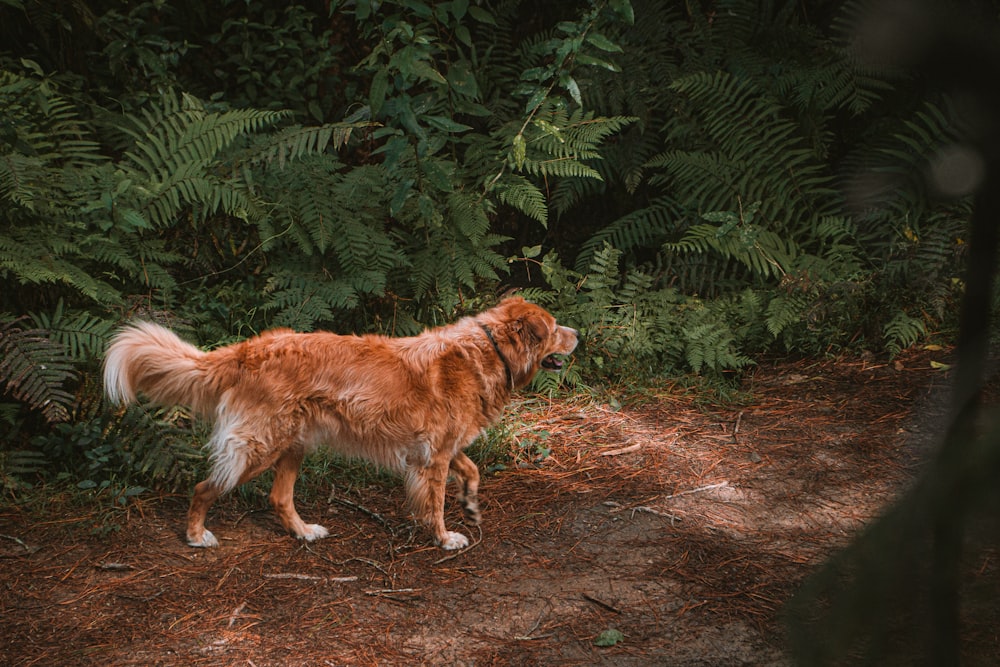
(692, 185)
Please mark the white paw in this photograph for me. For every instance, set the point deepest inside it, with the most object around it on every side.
(314, 532)
(207, 540)
(454, 541)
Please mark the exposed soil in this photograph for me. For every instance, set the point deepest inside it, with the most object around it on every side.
(681, 526)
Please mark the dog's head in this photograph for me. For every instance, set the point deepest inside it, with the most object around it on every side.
(528, 337)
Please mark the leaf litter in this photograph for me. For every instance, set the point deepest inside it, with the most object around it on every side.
(681, 527)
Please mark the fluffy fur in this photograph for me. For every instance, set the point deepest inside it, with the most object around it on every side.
(410, 404)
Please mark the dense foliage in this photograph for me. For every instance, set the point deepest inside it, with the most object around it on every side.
(691, 184)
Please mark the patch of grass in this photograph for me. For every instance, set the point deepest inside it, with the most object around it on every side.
(325, 470)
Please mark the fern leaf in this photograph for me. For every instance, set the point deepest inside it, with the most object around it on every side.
(35, 370)
(84, 336)
(902, 331)
(524, 196)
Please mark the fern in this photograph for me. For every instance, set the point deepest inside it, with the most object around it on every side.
(764, 252)
(302, 300)
(297, 142)
(902, 331)
(35, 370)
(159, 451)
(557, 143)
(22, 463)
(84, 336)
(712, 347)
(524, 196)
(785, 310)
(641, 228)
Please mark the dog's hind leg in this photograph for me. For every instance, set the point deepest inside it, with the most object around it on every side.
(467, 475)
(425, 487)
(236, 459)
(286, 469)
(205, 493)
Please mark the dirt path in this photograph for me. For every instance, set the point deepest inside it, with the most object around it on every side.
(683, 528)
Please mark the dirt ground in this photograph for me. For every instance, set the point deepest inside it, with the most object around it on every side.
(670, 530)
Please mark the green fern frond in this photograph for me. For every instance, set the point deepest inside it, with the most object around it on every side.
(641, 228)
(762, 251)
(302, 300)
(22, 463)
(295, 142)
(784, 310)
(84, 336)
(750, 148)
(19, 261)
(521, 194)
(35, 370)
(712, 346)
(902, 331)
(19, 175)
(156, 445)
(176, 133)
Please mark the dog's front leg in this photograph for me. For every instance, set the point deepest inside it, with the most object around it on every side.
(425, 490)
(286, 469)
(467, 476)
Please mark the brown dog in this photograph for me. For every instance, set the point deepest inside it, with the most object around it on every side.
(410, 404)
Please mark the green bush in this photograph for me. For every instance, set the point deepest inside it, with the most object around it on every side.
(690, 184)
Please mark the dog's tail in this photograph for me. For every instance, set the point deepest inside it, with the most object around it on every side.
(147, 358)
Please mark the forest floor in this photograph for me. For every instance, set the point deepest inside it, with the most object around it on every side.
(683, 526)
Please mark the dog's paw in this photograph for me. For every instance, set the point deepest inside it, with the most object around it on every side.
(314, 532)
(472, 513)
(454, 541)
(207, 540)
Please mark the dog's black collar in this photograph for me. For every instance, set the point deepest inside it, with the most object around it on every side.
(503, 359)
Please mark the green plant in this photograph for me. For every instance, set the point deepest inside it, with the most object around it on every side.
(123, 452)
(739, 185)
(35, 370)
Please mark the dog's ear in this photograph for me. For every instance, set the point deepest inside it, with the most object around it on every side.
(537, 326)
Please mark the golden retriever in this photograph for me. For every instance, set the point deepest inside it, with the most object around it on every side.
(409, 404)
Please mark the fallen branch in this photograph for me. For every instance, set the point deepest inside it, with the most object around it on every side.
(20, 542)
(650, 510)
(367, 512)
(617, 507)
(700, 489)
(309, 577)
(601, 603)
(396, 594)
(530, 636)
(236, 612)
(736, 427)
(391, 591)
(623, 450)
(114, 566)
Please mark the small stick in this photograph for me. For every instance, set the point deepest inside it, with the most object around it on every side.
(389, 591)
(293, 575)
(364, 510)
(236, 612)
(530, 636)
(409, 594)
(623, 450)
(601, 603)
(650, 510)
(11, 537)
(700, 489)
(114, 566)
